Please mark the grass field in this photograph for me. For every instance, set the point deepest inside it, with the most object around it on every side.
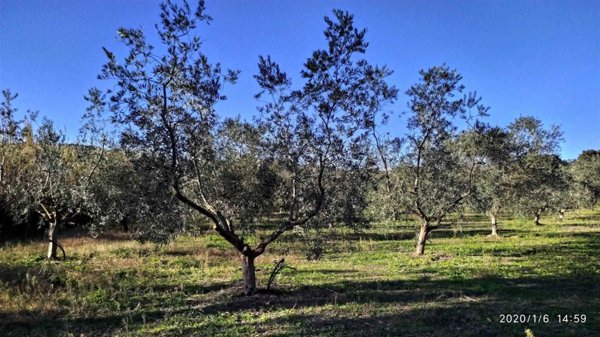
(368, 284)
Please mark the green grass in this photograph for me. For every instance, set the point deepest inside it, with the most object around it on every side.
(368, 284)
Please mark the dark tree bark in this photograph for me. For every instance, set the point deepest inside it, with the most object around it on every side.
(249, 274)
(538, 216)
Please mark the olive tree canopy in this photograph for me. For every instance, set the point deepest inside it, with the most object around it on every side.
(438, 160)
(295, 159)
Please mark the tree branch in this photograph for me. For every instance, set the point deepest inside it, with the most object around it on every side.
(288, 225)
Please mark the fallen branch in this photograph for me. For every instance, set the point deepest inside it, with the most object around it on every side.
(61, 248)
(279, 266)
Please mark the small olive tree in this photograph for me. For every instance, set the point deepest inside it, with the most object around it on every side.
(540, 183)
(42, 174)
(438, 163)
(11, 176)
(495, 181)
(59, 181)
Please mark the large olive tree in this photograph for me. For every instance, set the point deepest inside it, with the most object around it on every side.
(585, 171)
(229, 171)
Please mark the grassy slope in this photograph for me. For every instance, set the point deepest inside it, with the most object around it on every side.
(367, 285)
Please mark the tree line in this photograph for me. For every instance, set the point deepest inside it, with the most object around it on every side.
(153, 152)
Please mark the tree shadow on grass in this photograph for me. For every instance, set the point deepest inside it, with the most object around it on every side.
(192, 289)
(409, 234)
(426, 307)
(156, 303)
(465, 307)
(456, 320)
(414, 291)
(10, 274)
(587, 235)
(449, 232)
(584, 245)
(55, 323)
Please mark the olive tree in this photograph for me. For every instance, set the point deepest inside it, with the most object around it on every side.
(229, 171)
(11, 143)
(43, 177)
(540, 182)
(438, 164)
(585, 171)
(495, 181)
(59, 181)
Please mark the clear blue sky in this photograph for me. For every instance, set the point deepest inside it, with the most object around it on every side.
(539, 58)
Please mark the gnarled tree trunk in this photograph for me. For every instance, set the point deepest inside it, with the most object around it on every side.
(52, 243)
(494, 224)
(538, 216)
(423, 232)
(249, 274)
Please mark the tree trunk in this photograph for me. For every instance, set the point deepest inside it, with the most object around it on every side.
(396, 215)
(422, 239)
(494, 224)
(52, 246)
(538, 215)
(249, 273)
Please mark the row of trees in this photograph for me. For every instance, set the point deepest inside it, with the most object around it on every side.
(481, 168)
(314, 153)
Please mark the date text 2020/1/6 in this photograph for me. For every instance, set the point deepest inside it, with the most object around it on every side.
(524, 318)
(541, 318)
